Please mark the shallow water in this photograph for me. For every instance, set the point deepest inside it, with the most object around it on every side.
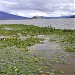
(63, 23)
(62, 62)
(3, 37)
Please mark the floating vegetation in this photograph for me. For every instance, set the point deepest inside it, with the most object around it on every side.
(61, 72)
(15, 57)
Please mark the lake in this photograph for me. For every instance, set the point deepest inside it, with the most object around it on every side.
(62, 23)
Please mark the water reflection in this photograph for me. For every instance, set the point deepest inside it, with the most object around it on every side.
(62, 62)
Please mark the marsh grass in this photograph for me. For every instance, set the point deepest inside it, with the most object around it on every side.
(14, 56)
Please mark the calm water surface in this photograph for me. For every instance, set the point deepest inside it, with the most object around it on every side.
(64, 23)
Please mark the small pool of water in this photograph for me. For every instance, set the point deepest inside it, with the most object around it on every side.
(3, 37)
(60, 61)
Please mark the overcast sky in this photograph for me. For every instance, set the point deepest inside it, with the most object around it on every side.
(31, 8)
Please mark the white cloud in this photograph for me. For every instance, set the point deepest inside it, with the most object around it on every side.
(32, 13)
(38, 7)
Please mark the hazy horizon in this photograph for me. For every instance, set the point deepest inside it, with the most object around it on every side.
(29, 8)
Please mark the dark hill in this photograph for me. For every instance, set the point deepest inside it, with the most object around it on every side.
(7, 16)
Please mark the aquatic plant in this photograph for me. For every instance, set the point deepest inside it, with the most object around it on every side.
(14, 55)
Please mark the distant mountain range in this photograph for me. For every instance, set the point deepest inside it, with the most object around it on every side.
(43, 17)
(70, 16)
(7, 16)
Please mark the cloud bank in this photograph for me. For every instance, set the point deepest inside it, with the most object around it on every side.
(31, 8)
